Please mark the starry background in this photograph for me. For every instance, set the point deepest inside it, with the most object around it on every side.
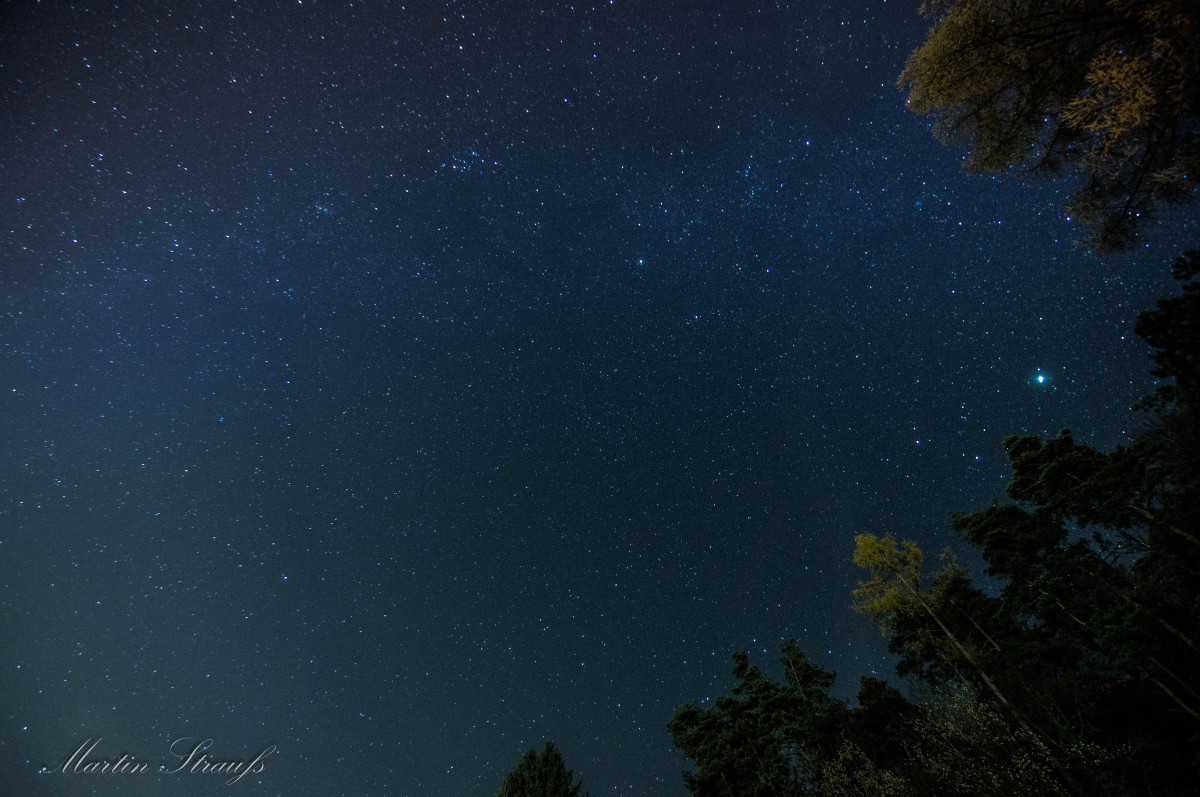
(409, 385)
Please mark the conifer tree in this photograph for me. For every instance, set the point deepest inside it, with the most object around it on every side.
(1072, 671)
(543, 774)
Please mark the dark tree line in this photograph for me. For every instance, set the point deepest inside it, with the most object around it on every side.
(543, 774)
(1079, 674)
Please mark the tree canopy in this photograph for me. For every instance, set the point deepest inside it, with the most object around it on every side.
(1110, 87)
(543, 774)
(766, 739)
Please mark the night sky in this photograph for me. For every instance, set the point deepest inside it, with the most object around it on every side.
(408, 386)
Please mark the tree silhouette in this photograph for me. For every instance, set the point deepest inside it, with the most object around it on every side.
(767, 739)
(1071, 670)
(542, 774)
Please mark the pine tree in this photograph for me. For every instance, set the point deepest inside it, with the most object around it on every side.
(1094, 636)
(767, 739)
(1073, 670)
(542, 774)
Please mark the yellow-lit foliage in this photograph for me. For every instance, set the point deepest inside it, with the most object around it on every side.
(1111, 87)
(893, 586)
(1121, 98)
(893, 591)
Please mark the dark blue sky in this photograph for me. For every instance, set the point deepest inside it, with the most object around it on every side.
(408, 386)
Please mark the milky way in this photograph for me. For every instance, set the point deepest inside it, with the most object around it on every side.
(406, 387)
